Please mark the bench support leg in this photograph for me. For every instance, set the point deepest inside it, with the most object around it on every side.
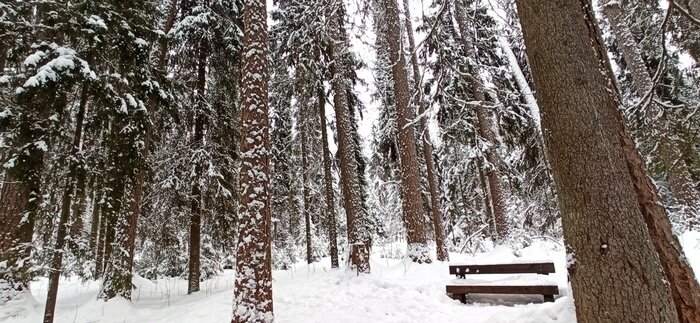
(548, 298)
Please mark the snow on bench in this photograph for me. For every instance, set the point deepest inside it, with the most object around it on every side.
(543, 268)
(519, 284)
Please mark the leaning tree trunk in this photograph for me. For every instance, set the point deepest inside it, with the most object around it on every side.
(350, 187)
(684, 286)
(66, 200)
(252, 300)
(328, 181)
(412, 203)
(615, 272)
(487, 131)
(436, 210)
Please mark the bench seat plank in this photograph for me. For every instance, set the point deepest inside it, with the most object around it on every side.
(502, 289)
(543, 268)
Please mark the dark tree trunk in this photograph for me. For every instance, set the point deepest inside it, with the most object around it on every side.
(100, 240)
(412, 202)
(435, 208)
(304, 182)
(328, 181)
(487, 132)
(616, 275)
(253, 287)
(66, 200)
(196, 198)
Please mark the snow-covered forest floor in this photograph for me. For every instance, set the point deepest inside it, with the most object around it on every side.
(395, 291)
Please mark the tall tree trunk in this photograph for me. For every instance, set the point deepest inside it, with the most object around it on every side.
(328, 180)
(252, 300)
(304, 182)
(66, 200)
(435, 208)
(350, 187)
(615, 274)
(193, 276)
(684, 286)
(487, 132)
(412, 202)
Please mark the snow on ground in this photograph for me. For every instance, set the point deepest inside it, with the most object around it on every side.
(396, 291)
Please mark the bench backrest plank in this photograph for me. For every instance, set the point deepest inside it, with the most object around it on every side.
(516, 268)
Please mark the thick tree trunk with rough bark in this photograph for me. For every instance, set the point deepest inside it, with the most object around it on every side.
(411, 200)
(252, 300)
(328, 181)
(350, 187)
(486, 128)
(614, 270)
(436, 210)
(684, 286)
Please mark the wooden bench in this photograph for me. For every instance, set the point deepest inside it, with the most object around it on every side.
(460, 290)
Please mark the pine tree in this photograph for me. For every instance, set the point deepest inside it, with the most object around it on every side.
(358, 237)
(410, 186)
(435, 209)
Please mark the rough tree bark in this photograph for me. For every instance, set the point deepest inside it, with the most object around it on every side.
(252, 300)
(487, 132)
(614, 269)
(435, 208)
(684, 285)
(411, 200)
(350, 187)
(328, 180)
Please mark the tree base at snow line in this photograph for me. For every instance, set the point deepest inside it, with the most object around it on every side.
(419, 252)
